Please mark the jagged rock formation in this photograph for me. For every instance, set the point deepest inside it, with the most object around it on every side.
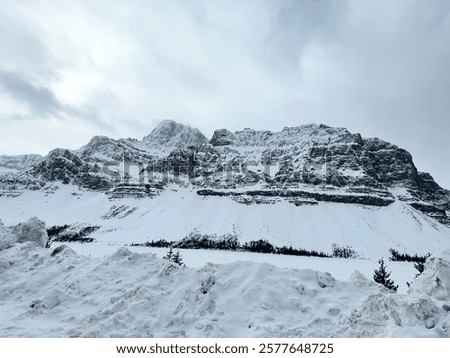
(170, 134)
(303, 165)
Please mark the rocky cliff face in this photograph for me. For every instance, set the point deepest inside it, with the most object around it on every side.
(303, 165)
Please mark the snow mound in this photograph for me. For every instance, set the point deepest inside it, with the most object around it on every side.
(63, 250)
(6, 240)
(387, 314)
(359, 280)
(324, 279)
(127, 294)
(435, 279)
(3, 230)
(32, 230)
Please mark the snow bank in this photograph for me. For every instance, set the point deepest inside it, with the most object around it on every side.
(32, 230)
(3, 230)
(6, 240)
(54, 293)
(435, 279)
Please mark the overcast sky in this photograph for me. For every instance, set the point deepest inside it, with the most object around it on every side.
(73, 69)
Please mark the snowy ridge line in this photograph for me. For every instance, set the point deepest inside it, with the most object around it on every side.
(309, 158)
(62, 294)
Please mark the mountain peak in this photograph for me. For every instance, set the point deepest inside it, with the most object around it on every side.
(307, 133)
(171, 134)
(311, 160)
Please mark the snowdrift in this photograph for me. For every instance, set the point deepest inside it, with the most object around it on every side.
(32, 230)
(58, 293)
(435, 280)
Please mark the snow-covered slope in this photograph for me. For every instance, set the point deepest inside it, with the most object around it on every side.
(58, 293)
(177, 212)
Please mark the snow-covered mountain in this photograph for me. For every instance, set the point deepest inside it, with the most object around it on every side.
(305, 190)
(308, 187)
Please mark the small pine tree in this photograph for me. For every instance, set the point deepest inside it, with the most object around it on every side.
(169, 255)
(382, 276)
(177, 258)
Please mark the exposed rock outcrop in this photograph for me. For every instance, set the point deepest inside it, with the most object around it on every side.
(304, 164)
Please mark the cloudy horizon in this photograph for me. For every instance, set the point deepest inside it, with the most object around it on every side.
(74, 69)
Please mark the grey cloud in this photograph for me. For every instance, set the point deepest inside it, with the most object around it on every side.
(42, 102)
(190, 75)
(20, 45)
(298, 23)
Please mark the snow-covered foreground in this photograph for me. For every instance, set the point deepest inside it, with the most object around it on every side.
(47, 293)
(402, 272)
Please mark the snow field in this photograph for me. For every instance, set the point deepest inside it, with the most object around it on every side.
(371, 231)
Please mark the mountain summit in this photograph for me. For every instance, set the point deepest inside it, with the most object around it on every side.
(170, 134)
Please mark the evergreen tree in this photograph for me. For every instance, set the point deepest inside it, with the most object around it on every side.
(173, 257)
(382, 276)
(177, 258)
(169, 255)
